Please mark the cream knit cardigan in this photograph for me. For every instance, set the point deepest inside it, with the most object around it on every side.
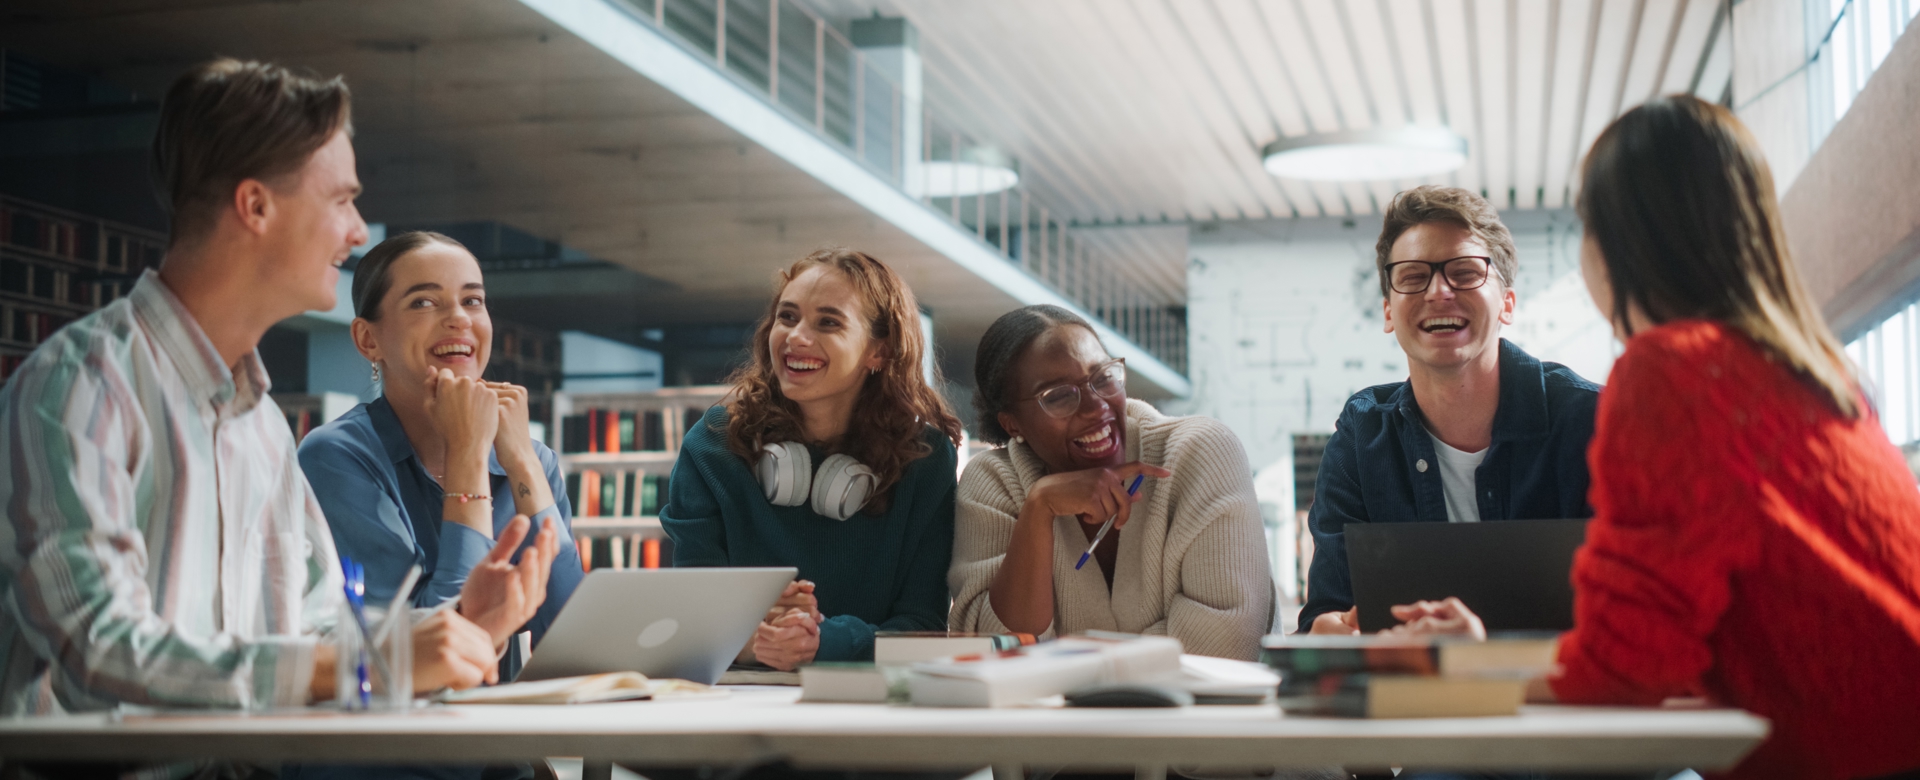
(1192, 561)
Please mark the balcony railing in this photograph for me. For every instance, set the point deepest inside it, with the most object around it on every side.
(810, 70)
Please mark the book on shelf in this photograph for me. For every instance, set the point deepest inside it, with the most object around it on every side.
(905, 647)
(623, 551)
(602, 492)
(300, 421)
(1019, 676)
(613, 431)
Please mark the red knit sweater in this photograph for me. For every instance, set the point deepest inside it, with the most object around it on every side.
(1750, 545)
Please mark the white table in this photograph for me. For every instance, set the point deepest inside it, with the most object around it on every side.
(758, 724)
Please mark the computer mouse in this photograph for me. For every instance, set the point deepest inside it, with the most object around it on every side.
(1128, 695)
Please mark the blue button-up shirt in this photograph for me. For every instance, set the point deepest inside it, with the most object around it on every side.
(385, 512)
(1372, 470)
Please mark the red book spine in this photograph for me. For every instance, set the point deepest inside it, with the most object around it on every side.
(650, 554)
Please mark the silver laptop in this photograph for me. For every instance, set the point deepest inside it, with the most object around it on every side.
(684, 623)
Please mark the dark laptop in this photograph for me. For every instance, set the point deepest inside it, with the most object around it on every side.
(1514, 574)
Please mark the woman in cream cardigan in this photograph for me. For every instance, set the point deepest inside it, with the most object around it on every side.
(1187, 555)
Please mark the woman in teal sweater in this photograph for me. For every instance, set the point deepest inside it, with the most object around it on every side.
(871, 528)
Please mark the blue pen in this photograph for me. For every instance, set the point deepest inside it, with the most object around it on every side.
(356, 588)
(1108, 526)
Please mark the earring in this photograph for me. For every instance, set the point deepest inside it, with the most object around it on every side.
(376, 373)
(1017, 440)
(872, 371)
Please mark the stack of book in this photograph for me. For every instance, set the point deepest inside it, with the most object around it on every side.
(1023, 675)
(886, 678)
(616, 493)
(1388, 676)
(613, 430)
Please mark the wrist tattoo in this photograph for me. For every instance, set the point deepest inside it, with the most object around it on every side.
(525, 491)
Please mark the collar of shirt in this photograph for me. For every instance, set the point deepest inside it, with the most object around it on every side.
(1522, 413)
(393, 438)
(205, 375)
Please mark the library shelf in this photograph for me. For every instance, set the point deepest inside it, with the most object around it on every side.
(617, 451)
(57, 266)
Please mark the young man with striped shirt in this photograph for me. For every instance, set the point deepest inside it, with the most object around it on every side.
(161, 546)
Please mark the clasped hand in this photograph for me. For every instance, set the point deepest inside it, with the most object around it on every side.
(465, 412)
(1093, 495)
(789, 635)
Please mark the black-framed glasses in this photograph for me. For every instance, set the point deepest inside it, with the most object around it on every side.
(1413, 277)
(1107, 381)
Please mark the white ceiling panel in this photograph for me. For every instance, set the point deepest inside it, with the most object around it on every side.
(1533, 37)
(1129, 111)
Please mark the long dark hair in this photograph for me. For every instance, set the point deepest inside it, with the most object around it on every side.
(1002, 345)
(1680, 199)
(895, 406)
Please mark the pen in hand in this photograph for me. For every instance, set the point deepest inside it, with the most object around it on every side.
(1108, 526)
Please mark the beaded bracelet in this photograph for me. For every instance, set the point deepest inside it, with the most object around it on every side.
(465, 497)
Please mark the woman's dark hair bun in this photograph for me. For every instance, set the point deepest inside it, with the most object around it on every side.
(1005, 341)
(374, 275)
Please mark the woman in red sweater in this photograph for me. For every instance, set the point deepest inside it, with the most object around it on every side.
(1756, 537)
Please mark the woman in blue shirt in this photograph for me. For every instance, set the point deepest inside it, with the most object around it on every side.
(871, 526)
(441, 464)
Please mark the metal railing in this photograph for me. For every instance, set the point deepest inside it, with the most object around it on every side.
(810, 70)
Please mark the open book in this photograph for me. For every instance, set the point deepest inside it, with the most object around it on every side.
(586, 689)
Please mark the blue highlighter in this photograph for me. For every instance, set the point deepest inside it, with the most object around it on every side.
(1108, 526)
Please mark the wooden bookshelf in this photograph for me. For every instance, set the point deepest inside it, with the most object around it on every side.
(617, 450)
(57, 266)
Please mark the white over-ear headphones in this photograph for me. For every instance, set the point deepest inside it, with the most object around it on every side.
(839, 489)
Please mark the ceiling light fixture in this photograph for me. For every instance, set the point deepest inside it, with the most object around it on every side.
(1366, 155)
(979, 171)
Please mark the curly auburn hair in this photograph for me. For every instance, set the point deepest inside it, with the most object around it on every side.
(896, 404)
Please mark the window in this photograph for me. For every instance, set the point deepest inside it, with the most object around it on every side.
(1852, 38)
(1888, 357)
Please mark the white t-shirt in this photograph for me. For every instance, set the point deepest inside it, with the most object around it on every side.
(1456, 476)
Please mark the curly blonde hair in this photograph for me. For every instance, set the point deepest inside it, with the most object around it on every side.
(896, 404)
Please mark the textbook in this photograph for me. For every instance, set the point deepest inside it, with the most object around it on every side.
(1370, 695)
(905, 647)
(1012, 677)
(852, 682)
(1224, 680)
(585, 689)
(1519, 655)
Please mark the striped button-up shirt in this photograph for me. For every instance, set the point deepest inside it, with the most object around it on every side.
(161, 546)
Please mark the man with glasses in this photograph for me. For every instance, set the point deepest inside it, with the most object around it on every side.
(1479, 431)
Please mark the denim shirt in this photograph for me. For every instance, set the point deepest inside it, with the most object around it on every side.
(1380, 467)
(385, 512)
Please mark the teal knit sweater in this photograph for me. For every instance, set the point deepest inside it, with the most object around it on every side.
(871, 573)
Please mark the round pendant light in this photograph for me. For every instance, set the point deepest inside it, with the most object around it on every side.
(979, 170)
(948, 179)
(1366, 155)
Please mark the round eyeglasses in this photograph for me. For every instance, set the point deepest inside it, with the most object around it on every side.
(1413, 277)
(1109, 380)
